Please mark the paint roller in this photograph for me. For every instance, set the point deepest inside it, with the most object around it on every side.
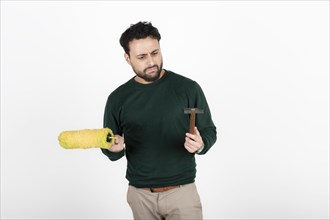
(87, 138)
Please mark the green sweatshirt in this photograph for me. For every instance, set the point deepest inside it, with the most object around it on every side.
(151, 118)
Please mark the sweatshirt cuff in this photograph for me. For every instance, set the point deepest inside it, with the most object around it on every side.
(200, 149)
(112, 155)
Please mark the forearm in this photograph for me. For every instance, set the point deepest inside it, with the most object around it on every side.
(209, 136)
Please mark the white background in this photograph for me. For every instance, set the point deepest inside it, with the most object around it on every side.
(264, 67)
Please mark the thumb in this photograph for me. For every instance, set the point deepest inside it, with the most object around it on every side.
(196, 131)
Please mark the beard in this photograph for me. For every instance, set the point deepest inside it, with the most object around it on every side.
(150, 77)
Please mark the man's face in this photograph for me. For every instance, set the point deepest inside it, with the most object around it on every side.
(146, 59)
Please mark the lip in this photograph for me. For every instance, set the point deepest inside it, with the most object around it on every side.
(152, 69)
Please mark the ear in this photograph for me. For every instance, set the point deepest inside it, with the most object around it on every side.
(127, 58)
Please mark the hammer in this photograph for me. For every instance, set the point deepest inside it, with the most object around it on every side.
(193, 112)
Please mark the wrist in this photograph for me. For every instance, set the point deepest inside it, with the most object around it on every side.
(200, 149)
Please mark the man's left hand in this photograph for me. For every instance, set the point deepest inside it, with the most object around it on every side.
(193, 142)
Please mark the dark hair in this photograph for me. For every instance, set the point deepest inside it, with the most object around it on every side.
(138, 31)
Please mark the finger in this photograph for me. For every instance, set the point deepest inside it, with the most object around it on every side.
(192, 145)
(189, 148)
(191, 136)
(189, 141)
(117, 139)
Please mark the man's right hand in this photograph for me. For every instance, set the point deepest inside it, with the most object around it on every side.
(118, 145)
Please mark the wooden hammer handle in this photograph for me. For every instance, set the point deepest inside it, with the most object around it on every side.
(192, 123)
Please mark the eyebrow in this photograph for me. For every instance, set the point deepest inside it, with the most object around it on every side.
(143, 54)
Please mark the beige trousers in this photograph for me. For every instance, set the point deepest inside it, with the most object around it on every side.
(174, 204)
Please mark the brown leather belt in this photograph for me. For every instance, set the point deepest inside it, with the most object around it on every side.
(161, 189)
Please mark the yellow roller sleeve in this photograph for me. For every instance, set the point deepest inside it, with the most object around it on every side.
(87, 138)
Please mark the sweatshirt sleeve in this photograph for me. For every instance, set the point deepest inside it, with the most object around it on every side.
(111, 120)
(204, 121)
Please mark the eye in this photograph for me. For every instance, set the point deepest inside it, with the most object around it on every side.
(140, 57)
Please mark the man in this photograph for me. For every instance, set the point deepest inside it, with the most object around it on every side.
(147, 116)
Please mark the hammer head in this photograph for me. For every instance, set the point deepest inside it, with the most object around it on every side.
(193, 110)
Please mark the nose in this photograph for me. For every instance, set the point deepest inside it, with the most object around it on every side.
(150, 61)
